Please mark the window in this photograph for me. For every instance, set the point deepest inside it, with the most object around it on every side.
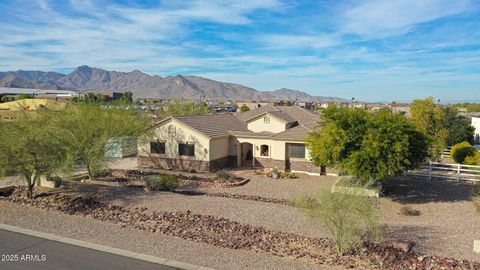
(264, 150)
(266, 120)
(172, 131)
(296, 150)
(157, 147)
(186, 149)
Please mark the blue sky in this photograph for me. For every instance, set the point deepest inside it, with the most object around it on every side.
(379, 50)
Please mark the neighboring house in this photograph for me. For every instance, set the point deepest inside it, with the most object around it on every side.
(476, 125)
(401, 108)
(266, 137)
(39, 93)
(251, 105)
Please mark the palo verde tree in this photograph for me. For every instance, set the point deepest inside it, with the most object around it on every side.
(32, 146)
(369, 146)
(87, 129)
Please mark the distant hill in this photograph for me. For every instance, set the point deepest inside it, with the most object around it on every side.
(85, 78)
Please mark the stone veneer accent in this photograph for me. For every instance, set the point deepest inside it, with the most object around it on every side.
(303, 166)
(264, 162)
(159, 162)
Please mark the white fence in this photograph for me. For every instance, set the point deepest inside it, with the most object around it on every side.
(446, 152)
(448, 171)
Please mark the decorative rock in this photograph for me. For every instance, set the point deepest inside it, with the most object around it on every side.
(405, 246)
(476, 246)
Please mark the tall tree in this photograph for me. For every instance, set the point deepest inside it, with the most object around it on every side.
(368, 146)
(87, 128)
(430, 120)
(32, 146)
(459, 127)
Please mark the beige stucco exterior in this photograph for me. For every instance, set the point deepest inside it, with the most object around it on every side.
(275, 124)
(183, 134)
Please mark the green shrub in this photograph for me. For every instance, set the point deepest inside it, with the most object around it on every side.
(224, 176)
(462, 150)
(163, 182)
(473, 160)
(349, 219)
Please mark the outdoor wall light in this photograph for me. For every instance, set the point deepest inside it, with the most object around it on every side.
(205, 150)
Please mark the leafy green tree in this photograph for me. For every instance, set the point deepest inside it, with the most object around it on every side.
(24, 96)
(348, 218)
(244, 108)
(368, 146)
(459, 127)
(87, 128)
(32, 146)
(430, 119)
(182, 107)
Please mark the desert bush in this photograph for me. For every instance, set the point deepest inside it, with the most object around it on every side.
(409, 211)
(350, 220)
(224, 175)
(473, 160)
(163, 182)
(462, 150)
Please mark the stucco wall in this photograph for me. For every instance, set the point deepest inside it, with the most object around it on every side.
(182, 134)
(219, 147)
(476, 125)
(277, 149)
(259, 125)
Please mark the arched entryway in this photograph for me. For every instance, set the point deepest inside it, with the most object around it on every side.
(246, 154)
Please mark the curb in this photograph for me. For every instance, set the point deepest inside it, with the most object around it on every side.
(107, 249)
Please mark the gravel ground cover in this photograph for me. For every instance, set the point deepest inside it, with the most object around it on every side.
(175, 248)
(447, 225)
(225, 233)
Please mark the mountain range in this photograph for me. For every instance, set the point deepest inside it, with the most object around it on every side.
(85, 78)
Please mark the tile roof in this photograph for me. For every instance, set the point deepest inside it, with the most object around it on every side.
(245, 116)
(296, 133)
(213, 125)
(287, 113)
(300, 114)
(235, 124)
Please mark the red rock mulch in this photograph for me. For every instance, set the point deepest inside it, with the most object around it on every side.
(230, 234)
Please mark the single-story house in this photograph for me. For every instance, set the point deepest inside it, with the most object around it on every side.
(266, 137)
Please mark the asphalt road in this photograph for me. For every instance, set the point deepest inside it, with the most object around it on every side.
(19, 251)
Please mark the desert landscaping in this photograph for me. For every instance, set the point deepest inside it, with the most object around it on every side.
(250, 216)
